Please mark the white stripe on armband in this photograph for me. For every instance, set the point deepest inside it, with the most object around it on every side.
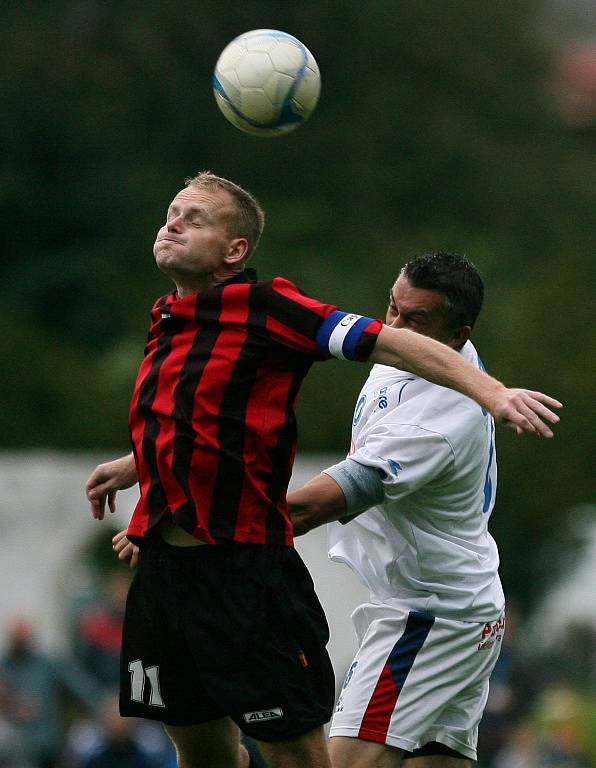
(361, 485)
(337, 338)
(340, 334)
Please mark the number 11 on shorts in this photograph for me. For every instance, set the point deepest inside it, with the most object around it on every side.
(138, 675)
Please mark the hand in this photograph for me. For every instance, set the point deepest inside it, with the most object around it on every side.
(105, 480)
(125, 549)
(524, 411)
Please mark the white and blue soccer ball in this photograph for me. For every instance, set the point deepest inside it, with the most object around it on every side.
(266, 82)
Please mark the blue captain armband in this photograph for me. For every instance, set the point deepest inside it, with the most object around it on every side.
(340, 333)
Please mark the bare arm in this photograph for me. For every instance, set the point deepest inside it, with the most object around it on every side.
(521, 409)
(320, 501)
(105, 480)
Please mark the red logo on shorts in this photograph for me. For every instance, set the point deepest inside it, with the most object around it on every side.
(492, 633)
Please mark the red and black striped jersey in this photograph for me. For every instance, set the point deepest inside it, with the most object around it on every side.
(212, 414)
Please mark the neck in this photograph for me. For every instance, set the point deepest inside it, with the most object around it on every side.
(203, 282)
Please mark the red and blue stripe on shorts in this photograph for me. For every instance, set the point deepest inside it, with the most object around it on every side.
(375, 723)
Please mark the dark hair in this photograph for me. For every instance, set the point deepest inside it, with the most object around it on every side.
(456, 278)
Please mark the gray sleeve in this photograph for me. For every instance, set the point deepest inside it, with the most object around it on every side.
(361, 485)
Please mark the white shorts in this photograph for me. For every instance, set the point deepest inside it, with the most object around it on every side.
(417, 678)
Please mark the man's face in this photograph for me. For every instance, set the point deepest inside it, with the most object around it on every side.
(420, 310)
(195, 240)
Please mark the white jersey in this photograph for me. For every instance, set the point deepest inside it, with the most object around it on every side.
(427, 546)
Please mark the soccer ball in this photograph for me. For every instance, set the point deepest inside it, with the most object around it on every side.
(266, 82)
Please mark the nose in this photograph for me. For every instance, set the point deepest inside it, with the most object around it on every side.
(174, 224)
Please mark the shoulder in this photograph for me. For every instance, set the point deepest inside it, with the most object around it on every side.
(399, 397)
(284, 288)
(397, 386)
(280, 283)
(276, 286)
(284, 296)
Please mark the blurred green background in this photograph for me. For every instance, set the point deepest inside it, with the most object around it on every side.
(441, 125)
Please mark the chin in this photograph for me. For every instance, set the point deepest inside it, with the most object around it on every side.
(165, 264)
(164, 253)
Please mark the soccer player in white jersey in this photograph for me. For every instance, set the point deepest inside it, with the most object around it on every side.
(413, 501)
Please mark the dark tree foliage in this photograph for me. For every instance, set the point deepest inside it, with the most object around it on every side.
(434, 130)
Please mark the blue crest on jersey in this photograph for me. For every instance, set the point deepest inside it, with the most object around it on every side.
(395, 466)
(349, 675)
(488, 483)
(358, 410)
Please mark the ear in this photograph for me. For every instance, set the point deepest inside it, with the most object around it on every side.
(460, 336)
(237, 250)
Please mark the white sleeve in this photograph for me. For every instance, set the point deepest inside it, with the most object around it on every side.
(407, 456)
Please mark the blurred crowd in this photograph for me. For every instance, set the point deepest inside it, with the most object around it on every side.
(541, 710)
(62, 711)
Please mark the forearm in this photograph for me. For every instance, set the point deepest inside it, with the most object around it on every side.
(320, 501)
(436, 362)
(129, 469)
(341, 492)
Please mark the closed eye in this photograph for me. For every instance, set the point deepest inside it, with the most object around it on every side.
(419, 319)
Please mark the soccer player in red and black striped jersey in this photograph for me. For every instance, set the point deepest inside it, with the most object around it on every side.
(223, 629)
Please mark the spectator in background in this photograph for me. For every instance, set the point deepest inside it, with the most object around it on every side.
(9, 743)
(98, 629)
(556, 733)
(116, 742)
(520, 751)
(512, 686)
(34, 688)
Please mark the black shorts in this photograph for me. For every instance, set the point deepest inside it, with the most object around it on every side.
(433, 748)
(226, 630)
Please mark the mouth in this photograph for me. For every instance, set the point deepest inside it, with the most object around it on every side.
(169, 239)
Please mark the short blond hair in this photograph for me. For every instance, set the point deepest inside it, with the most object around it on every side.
(248, 218)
